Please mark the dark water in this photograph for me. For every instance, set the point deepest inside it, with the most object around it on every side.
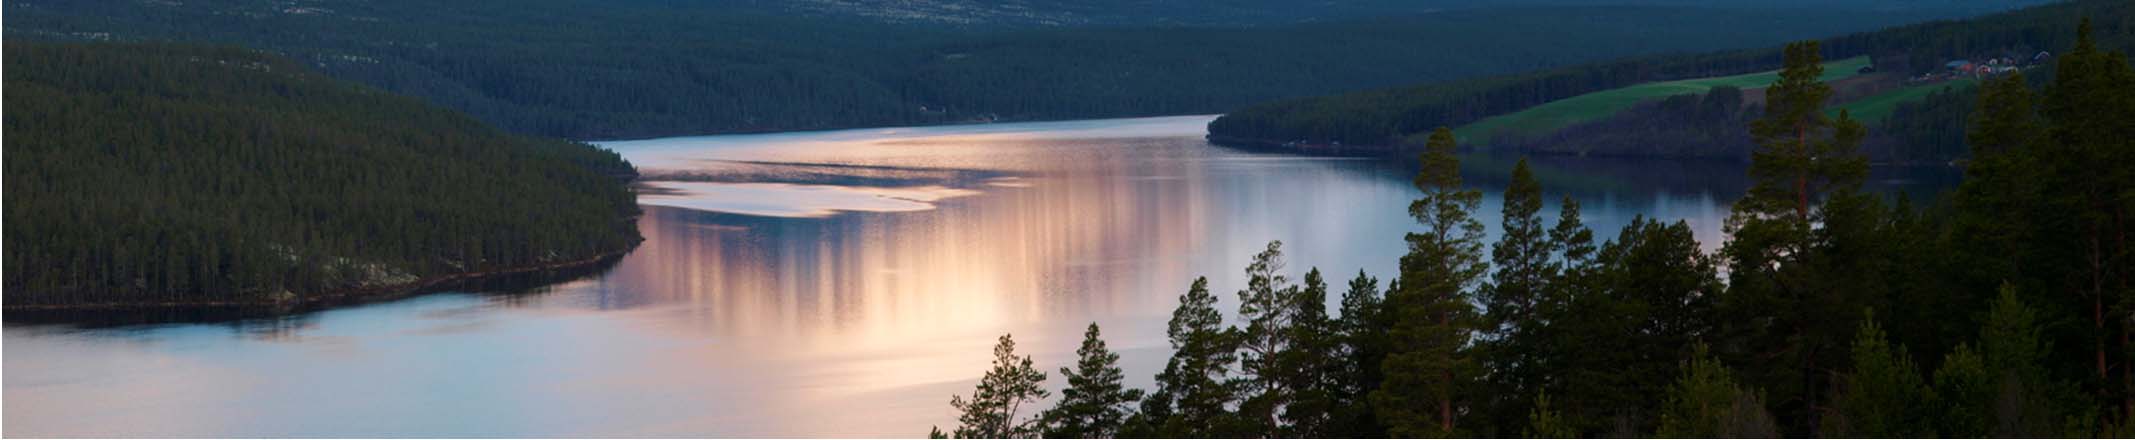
(813, 284)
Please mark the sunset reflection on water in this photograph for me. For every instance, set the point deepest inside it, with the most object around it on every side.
(1106, 230)
(839, 283)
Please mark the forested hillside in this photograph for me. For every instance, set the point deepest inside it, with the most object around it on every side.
(165, 174)
(1389, 117)
(639, 68)
(1067, 13)
(1829, 311)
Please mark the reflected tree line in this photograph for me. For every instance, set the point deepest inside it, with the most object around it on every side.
(2001, 310)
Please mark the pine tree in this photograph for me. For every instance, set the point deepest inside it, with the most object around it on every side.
(1777, 295)
(1998, 205)
(2091, 136)
(1521, 255)
(1267, 307)
(992, 410)
(1617, 339)
(1362, 328)
(1554, 340)
(1524, 269)
(1794, 163)
(1313, 364)
(1429, 364)
(1094, 404)
(1570, 238)
(2004, 119)
(1195, 391)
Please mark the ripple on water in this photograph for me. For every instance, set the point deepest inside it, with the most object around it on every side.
(794, 200)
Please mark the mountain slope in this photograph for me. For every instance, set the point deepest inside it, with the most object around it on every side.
(1060, 13)
(1385, 117)
(641, 68)
(161, 174)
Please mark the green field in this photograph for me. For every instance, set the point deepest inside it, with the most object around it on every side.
(1592, 106)
(1873, 109)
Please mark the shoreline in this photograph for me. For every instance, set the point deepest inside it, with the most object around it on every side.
(561, 271)
(1263, 145)
(1366, 150)
(867, 128)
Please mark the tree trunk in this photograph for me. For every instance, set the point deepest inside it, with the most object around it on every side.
(1445, 394)
(2127, 372)
(1801, 176)
(2098, 302)
(1445, 404)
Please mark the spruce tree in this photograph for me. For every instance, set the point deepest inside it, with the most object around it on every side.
(2027, 399)
(2011, 340)
(1884, 395)
(1094, 404)
(1546, 422)
(1964, 395)
(1706, 402)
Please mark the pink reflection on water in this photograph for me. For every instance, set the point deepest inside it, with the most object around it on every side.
(821, 315)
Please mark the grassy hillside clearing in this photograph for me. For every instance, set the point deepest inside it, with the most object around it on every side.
(1873, 110)
(1562, 113)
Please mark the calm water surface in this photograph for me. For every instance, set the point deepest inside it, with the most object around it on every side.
(838, 283)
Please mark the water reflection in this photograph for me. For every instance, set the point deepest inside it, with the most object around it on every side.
(815, 316)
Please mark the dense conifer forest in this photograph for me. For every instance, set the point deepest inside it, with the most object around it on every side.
(1707, 125)
(1247, 13)
(170, 174)
(587, 69)
(2000, 310)
(1398, 117)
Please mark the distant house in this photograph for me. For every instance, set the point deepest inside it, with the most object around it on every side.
(2041, 57)
(1958, 65)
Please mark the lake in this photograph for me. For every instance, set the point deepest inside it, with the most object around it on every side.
(840, 283)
